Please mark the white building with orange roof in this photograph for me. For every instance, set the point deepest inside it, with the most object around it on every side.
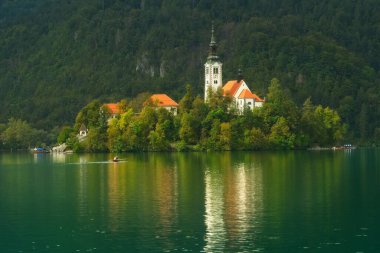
(164, 101)
(242, 97)
(113, 109)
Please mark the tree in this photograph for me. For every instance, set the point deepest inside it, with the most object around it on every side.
(96, 141)
(198, 114)
(347, 109)
(237, 138)
(377, 136)
(363, 122)
(91, 115)
(20, 135)
(123, 105)
(279, 104)
(64, 134)
(335, 129)
(148, 119)
(329, 128)
(166, 121)
(158, 140)
(138, 130)
(308, 126)
(216, 100)
(280, 136)
(187, 131)
(2, 129)
(137, 103)
(125, 119)
(213, 141)
(225, 136)
(115, 136)
(185, 104)
(255, 139)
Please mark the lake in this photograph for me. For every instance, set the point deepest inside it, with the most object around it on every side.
(293, 201)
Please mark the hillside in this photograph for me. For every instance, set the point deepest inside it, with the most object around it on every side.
(56, 56)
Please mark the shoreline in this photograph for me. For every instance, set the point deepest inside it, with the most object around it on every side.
(335, 148)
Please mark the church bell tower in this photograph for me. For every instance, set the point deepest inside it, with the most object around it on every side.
(213, 67)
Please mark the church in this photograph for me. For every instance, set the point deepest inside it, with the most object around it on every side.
(242, 97)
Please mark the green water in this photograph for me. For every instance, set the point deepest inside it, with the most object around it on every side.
(191, 202)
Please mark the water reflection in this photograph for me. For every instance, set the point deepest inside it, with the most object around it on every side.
(82, 191)
(233, 202)
(116, 195)
(58, 157)
(212, 202)
(166, 190)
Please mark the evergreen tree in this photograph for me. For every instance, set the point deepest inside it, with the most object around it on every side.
(185, 104)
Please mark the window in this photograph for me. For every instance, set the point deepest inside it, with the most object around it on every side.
(215, 81)
(206, 82)
(206, 71)
(216, 71)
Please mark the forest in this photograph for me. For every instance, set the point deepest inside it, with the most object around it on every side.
(58, 56)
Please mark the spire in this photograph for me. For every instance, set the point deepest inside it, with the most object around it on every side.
(212, 42)
(213, 46)
(240, 75)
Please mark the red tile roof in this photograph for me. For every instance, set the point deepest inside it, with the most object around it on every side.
(231, 87)
(247, 94)
(113, 108)
(162, 100)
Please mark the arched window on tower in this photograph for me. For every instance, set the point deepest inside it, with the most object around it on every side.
(215, 81)
(216, 71)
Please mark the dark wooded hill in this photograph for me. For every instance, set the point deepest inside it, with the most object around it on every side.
(56, 56)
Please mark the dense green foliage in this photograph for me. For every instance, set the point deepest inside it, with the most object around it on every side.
(18, 134)
(279, 124)
(56, 57)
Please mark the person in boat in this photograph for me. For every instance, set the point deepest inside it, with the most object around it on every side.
(116, 159)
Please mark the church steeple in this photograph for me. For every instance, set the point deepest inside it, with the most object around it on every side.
(213, 46)
(213, 67)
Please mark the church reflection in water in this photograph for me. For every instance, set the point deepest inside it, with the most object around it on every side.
(233, 205)
(222, 193)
